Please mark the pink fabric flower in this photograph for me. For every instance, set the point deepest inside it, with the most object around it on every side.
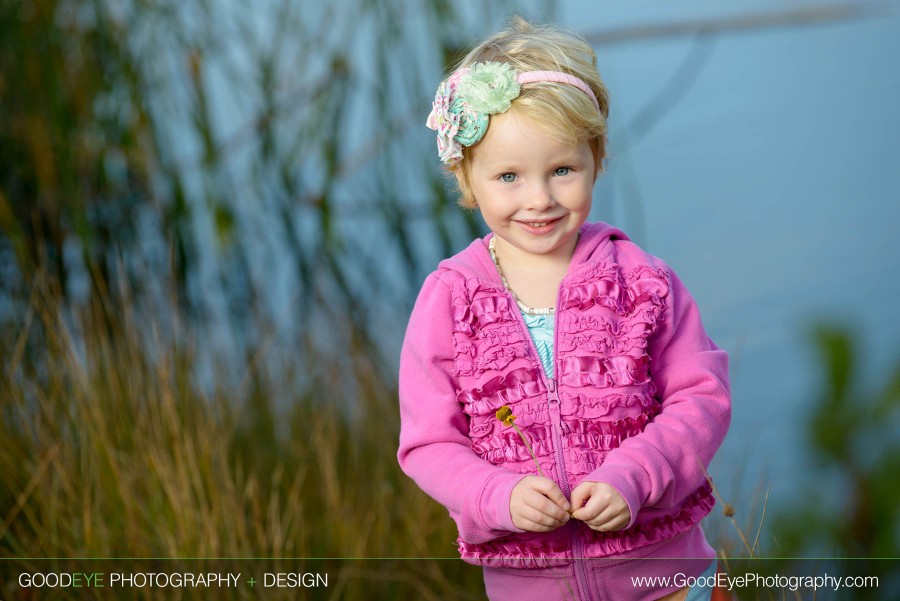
(445, 123)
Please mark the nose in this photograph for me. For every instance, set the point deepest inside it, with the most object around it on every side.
(540, 196)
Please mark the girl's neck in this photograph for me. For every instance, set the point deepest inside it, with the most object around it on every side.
(533, 279)
(517, 259)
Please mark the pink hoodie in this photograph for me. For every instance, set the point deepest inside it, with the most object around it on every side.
(640, 401)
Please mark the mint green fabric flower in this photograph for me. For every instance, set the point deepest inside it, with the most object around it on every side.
(489, 87)
(472, 124)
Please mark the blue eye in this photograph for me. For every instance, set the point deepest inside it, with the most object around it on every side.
(562, 171)
(508, 177)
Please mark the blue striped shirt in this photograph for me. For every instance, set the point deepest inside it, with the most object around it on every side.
(541, 329)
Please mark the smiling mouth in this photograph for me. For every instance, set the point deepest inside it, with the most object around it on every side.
(543, 223)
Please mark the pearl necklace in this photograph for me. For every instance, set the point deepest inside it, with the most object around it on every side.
(525, 308)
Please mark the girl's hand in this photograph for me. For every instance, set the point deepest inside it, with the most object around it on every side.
(538, 505)
(600, 506)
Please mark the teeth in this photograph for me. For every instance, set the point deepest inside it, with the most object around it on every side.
(538, 224)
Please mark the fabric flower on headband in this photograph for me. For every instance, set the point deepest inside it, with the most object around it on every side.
(446, 123)
(489, 87)
(464, 102)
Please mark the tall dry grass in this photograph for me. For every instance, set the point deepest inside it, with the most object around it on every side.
(113, 447)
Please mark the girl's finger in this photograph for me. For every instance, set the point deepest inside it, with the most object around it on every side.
(538, 513)
(546, 506)
(580, 496)
(531, 526)
(534, 516)
(591, 510)
(609, 519)
(552, 491)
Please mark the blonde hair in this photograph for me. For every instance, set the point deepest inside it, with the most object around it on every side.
(560, 110)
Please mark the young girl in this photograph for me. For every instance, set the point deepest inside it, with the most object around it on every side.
(594, 345)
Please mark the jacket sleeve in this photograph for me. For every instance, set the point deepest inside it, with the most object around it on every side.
(435, 449)
(666, 462)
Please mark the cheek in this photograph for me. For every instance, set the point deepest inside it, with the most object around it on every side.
(577, 193)
(481, 192)
(494, 211)
(587, 188)
(496, 199)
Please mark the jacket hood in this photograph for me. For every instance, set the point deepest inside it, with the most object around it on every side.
(595, 244)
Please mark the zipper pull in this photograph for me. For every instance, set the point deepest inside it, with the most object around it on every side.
(553, 401)
(552, 395)
(555, 410)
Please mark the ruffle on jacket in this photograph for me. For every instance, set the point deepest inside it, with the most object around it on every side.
(501, 443)
(581, 463)
(600, 406)
(610, 288)
(486, 334)
(604, 372)
(515, 389)
(596, 435)
(507, 445)
(477, 303)
(496, 358)
(611, 318)
(515, 386)
(519, 551)
(480, 313)
(604, 344)
(530, 550)
(606, 334)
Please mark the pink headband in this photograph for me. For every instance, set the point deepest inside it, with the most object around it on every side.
(465, 101)
(559, 77)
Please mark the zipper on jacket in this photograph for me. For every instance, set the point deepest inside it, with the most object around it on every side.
(557, 426)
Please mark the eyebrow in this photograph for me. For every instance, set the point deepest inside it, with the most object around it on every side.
(507, 167)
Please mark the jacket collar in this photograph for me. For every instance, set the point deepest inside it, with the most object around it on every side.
(595, 245)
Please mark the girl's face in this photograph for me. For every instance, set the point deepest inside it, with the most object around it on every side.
(533, 191)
